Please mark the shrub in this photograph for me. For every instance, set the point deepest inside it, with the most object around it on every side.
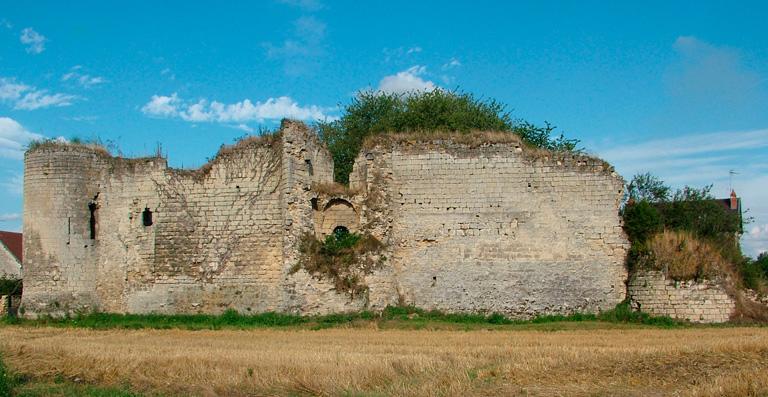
(755, 273)
(6, 382)
(371, 113)
(695, 210)
(641, 221)
(683, 256)
(342, 258)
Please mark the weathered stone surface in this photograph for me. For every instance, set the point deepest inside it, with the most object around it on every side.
(9, 265)
(697, 301)
(495, 228)
(9, 305)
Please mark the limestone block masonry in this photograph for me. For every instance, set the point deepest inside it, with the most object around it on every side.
(697, 301)
(9, 265)
(497, 227)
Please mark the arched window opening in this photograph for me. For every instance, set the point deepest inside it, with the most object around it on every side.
(146, 217)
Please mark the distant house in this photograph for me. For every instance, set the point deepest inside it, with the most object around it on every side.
(733, 204)
(10, 254)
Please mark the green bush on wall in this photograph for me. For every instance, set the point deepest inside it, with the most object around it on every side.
(374, 112)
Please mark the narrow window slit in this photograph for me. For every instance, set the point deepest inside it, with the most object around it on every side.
(146, 217)
(92, 207)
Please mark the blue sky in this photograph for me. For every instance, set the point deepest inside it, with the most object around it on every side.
(680, 90)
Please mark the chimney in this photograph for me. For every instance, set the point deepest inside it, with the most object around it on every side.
(734, 201)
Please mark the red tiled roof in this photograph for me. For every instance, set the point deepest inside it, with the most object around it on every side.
(13, 242)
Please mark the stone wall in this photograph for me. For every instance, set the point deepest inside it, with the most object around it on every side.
(697, 301)
(9, 305)
(218, 236)
(9, 265)
(495, 228)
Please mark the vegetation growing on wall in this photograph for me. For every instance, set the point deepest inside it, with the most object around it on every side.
(688, 224)
(682, 256)
(371, 113)
(755, 273)
(344, 258)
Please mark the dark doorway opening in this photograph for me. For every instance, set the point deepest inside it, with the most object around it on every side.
(146, 217)
(340, 232)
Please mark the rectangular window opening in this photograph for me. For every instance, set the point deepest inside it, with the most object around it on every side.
(146, 217)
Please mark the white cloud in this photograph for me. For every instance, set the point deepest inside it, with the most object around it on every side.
(10, 90)
(241, 127)
(26, 97)
(300, 51)
(41, 99)
(400, 53)
(413, 50)
(690, 145)
(306, 5)
(452, 63)
(10, 217)
(14, 185)
(704, 159)
(759, 231)
(35, 41)
(14, 139)
(162, 106)
(407, 81)
(237, 113)
(167, 72)
(83, 79)
(710, 74)
(82, 118)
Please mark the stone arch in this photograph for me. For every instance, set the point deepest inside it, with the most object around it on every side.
(337, 213)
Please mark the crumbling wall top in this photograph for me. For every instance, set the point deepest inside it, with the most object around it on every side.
(480, 143)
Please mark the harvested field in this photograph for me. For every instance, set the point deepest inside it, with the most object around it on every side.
(370, 361)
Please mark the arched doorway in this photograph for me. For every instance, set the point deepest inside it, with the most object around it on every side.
(338, 216)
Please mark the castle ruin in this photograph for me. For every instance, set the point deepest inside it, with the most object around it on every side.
(485, 225)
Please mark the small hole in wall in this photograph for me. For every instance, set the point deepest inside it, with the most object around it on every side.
(434, 278)
(146, 217)
(340, 232)
(529, 184)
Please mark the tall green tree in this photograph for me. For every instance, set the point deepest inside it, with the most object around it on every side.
(647, 187)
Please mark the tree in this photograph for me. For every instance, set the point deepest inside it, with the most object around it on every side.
(762, 264)
(647, 187)
(371, 113)
(641, 221)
